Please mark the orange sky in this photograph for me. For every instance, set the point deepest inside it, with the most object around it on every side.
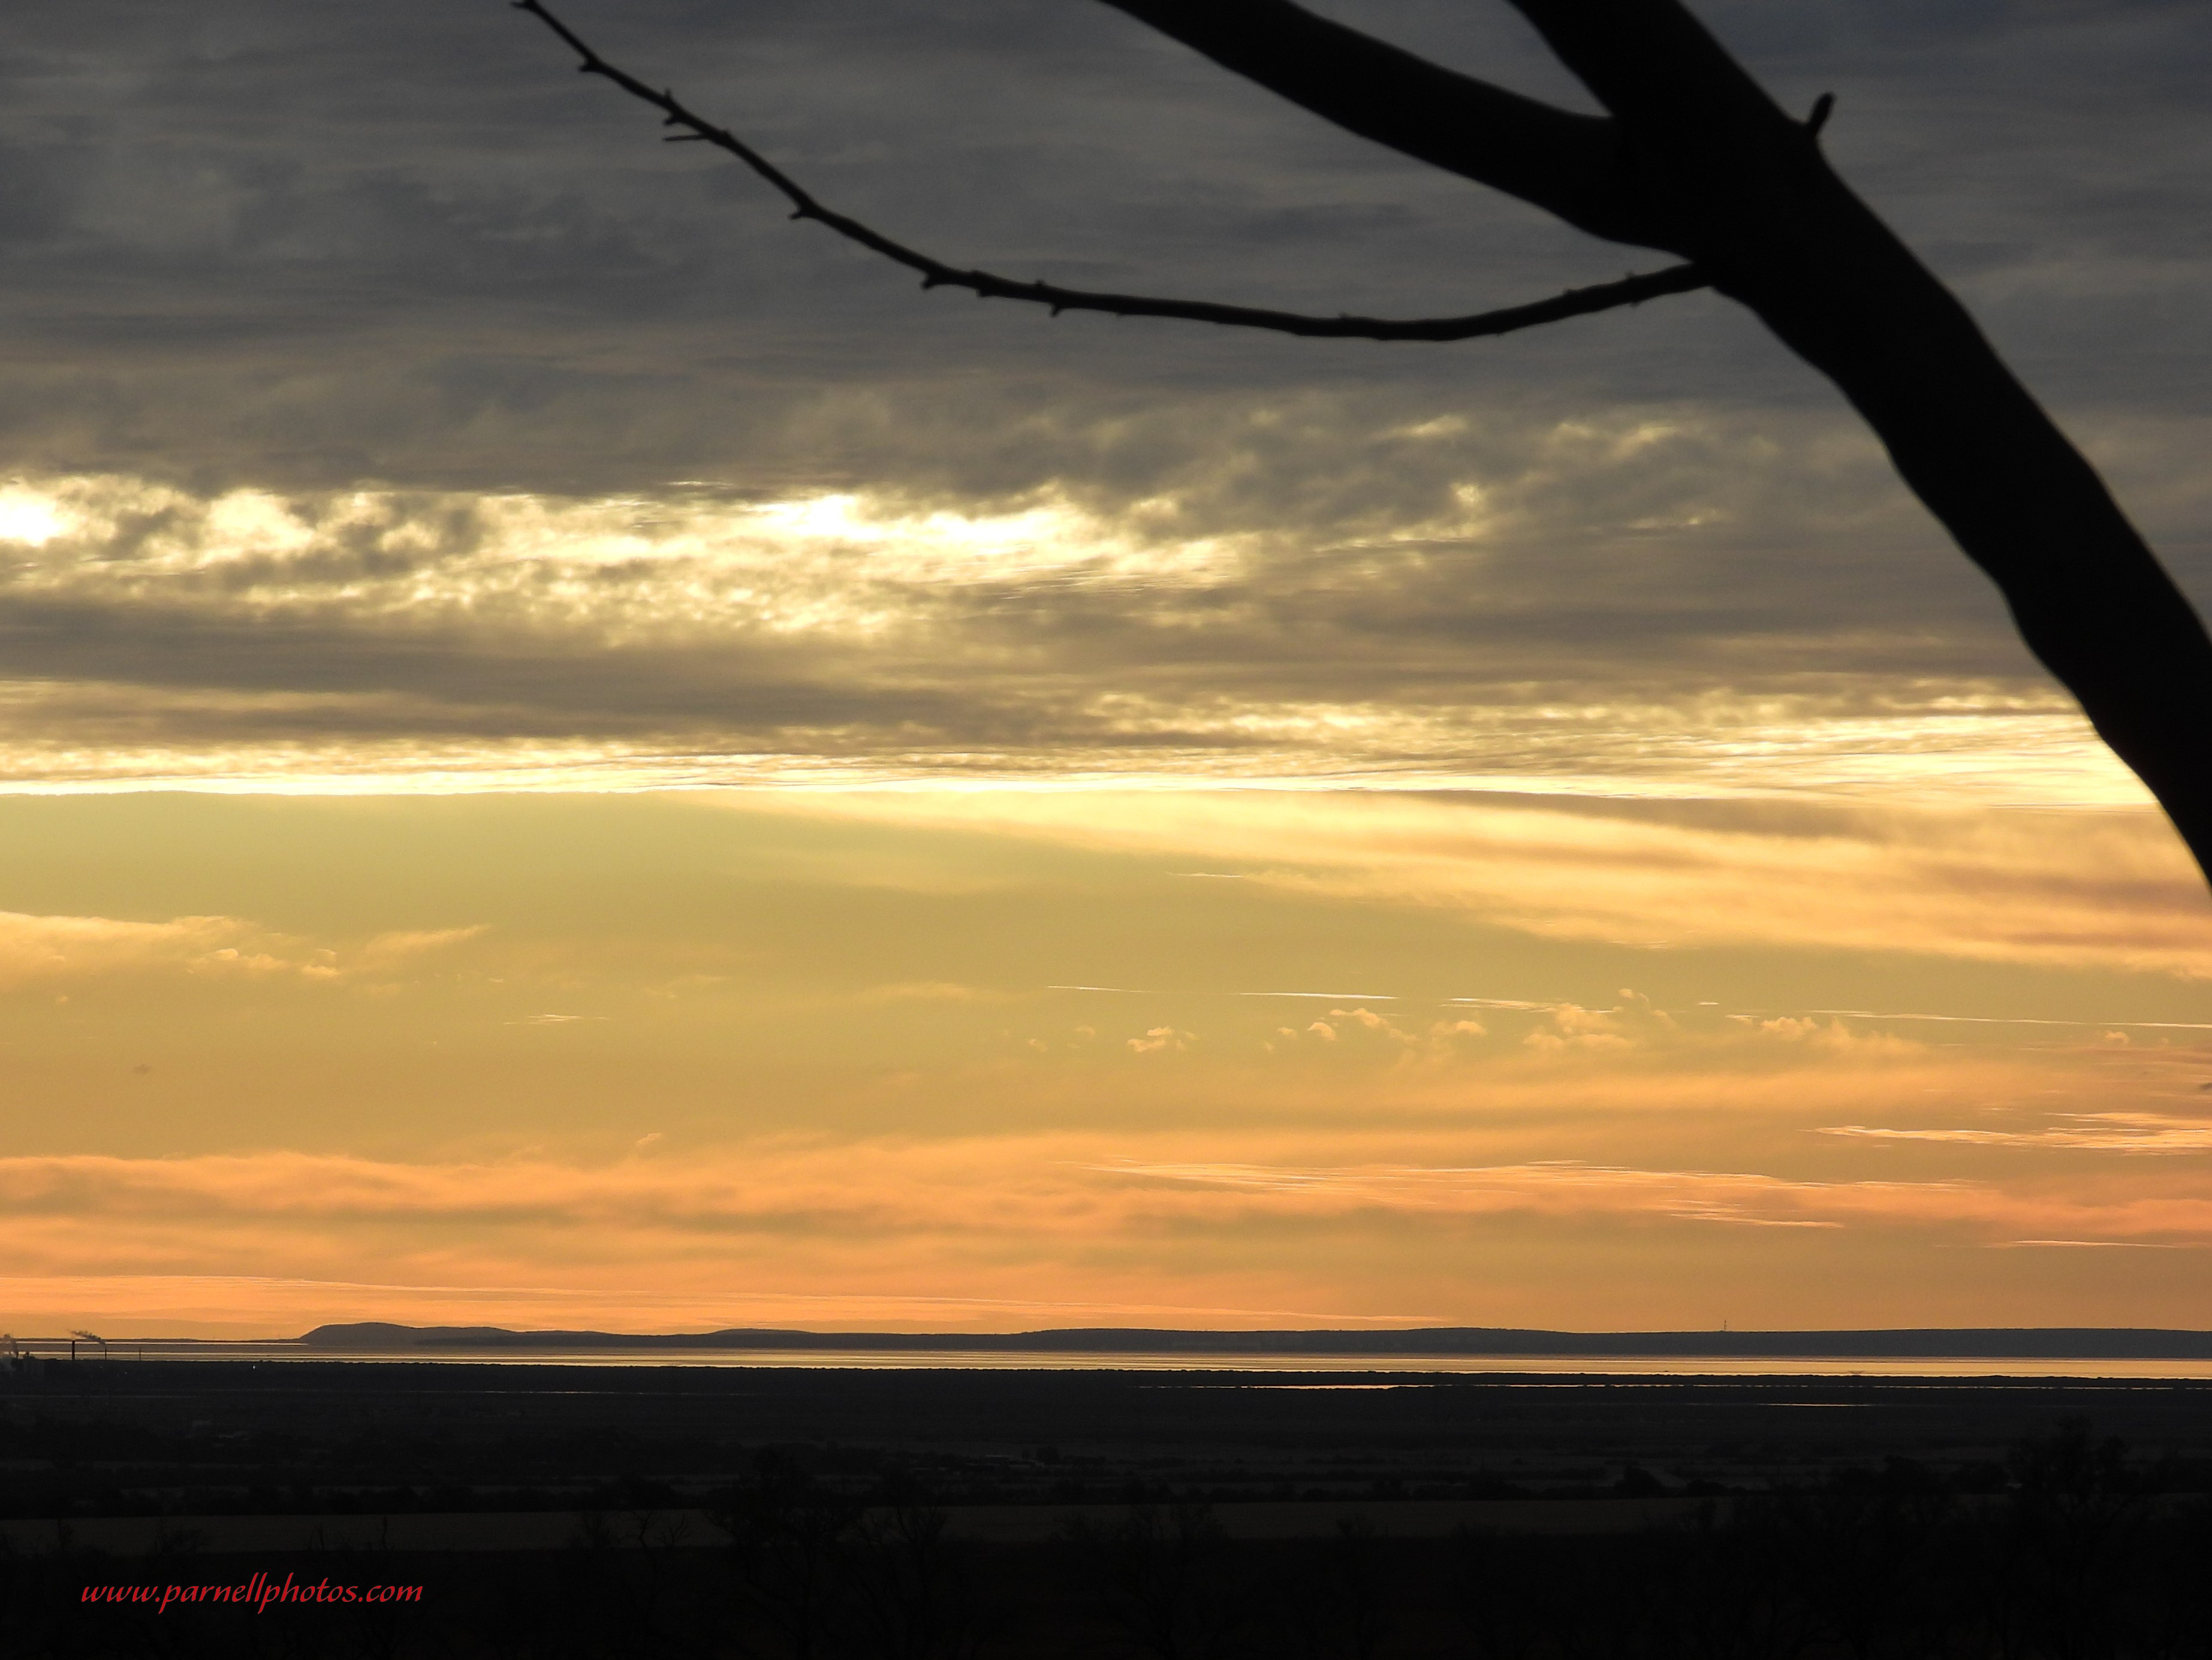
(574, 753)
(992, 1060)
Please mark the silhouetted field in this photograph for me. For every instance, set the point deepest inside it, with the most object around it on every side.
(696, 1511)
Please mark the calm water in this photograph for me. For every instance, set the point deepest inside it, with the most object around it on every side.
(971, 1361)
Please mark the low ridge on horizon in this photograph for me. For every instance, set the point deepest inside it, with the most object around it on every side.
(2023, 1342)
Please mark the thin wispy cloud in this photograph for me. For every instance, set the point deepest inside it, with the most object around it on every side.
(2019, 1020)
(1327, 996)
(1695, 1196)
(2088, 1245)
(2136, 1133)
(2113, 890)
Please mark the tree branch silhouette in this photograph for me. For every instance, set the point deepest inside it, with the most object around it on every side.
(1695, 158)
(985, 285)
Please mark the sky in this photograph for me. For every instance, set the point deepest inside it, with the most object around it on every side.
(573, 753)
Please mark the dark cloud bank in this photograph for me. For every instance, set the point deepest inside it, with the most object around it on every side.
(250, 245)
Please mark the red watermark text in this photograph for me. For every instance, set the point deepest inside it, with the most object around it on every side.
(257, 1593)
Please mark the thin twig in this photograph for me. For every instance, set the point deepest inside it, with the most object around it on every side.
(935, 274)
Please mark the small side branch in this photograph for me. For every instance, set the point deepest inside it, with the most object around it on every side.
(936, 274)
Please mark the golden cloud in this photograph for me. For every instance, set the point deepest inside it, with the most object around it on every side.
(2111, 890)
(36, 948)
(40, 948)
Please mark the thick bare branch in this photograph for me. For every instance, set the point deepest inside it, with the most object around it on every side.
(1696, 158)
(1568, 165)
(1755, 204)
(936, 274)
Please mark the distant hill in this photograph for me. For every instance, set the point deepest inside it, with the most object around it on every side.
(1935, 1343)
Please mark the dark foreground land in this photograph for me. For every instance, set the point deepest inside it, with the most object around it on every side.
(680, 1511)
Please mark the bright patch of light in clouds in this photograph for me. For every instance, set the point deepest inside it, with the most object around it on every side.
(381, 640)
(32, 518)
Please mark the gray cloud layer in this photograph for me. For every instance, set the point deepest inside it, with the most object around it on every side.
(250, 245)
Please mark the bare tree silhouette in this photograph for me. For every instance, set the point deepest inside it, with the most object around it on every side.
(1161, 1578)
(1694, 159)
(911, 1587)
(2070, 1540)
(789, 1545)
